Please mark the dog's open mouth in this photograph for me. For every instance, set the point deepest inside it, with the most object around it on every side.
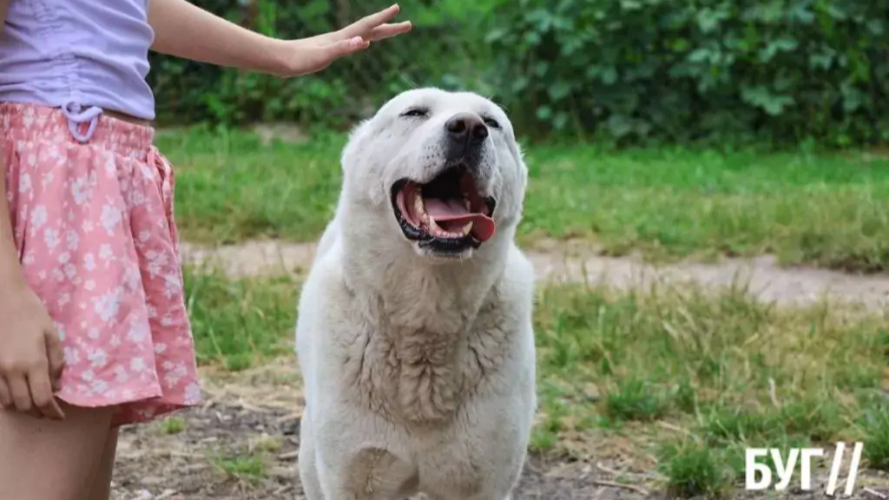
(447, 214)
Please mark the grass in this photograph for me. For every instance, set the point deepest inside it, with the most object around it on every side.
(239, 322)
(682, 380)
(688, 377)
(830, 211)
(245, 468)
(172, 425)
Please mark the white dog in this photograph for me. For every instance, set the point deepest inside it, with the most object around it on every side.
(414, 335)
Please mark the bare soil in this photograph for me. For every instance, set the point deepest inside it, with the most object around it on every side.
(242, 443)
(561, 262)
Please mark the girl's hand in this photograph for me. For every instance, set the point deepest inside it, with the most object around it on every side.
(309, 55)
(31, 357)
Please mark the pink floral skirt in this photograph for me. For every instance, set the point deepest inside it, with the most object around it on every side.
(94, 228)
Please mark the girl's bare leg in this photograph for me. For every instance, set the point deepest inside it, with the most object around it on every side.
(101, 488)
(52, 460)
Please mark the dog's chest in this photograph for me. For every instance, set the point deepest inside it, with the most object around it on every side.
(417, 375)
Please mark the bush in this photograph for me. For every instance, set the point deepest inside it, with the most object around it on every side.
(438, 52)
(776, 70)
(629, 70)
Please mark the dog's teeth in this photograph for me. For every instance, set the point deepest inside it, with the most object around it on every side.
(419, 207)
(467, 228)
(467, 204)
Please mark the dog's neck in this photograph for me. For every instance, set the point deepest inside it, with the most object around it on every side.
(423, 315)
(413, 293)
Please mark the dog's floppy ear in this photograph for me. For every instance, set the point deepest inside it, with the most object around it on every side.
(519, 155)
(354, 144)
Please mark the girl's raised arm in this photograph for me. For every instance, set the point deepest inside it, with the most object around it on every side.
(185, 30)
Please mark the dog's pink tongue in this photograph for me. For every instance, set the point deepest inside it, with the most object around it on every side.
(456, 215)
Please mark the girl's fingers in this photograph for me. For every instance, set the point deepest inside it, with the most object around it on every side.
(5, 398)
(20, 394)
(366, 24)
(346, 47)
(389, 30)
(56, 357)
(42, 395)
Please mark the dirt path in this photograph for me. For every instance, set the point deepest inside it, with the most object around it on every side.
(764, 277)
(242, 444)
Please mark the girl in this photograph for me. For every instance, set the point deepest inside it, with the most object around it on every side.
(94, 330)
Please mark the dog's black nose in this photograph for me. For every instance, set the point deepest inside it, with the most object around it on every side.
(466, 128)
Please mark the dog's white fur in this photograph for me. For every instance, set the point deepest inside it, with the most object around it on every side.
(419, 371)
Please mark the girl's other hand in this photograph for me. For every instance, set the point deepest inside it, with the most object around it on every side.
(31, 357)
(309, 55)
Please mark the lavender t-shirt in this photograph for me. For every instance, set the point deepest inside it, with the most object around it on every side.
(84, 56)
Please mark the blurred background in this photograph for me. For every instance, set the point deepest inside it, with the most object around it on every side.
(622, 70)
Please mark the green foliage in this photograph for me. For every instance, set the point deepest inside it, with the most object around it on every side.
(627, 70)
(777, 70)
(435, 53)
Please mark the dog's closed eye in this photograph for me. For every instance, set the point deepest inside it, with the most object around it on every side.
(492, 122)
(416, 113)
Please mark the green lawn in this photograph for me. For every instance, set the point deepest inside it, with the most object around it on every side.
(687, 377)
(830, 211)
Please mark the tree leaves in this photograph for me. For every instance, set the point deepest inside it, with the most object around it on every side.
(782, 70)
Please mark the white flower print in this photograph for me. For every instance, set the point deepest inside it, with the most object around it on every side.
(174, 374)
(51, 238)
(38, 216)
(25, 183)
(157, 262)
(138, 365)
(192, 393)
(172, 285)
(137, 198)
(73, 240)
(99, 387)
(147, 173)
(70, 271)
(106, 253)
(120, 374)
(89, 262)
(132, 278)
(108, 304)
(82, 188)
(99, 358)
(111, 217)
(138, 332)
(110, 166)
(89, 285)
